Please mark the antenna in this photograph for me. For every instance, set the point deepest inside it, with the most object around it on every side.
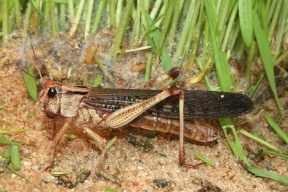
(35, 58)
(27, 72)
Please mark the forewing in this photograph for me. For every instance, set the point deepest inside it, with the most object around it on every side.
(197, 104)
(205, 104)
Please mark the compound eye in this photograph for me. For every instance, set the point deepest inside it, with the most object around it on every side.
(52, 92)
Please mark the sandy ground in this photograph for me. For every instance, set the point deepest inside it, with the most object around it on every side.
(127, 168)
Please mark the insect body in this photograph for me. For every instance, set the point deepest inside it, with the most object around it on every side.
(149, 109)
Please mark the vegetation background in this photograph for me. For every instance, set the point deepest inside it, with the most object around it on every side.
(208, 40)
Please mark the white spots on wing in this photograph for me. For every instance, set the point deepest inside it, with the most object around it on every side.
(155, 119)
(169, 121)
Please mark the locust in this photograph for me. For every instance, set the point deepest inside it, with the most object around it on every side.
(170, 110)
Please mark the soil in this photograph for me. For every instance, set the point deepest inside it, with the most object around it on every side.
(126, 167)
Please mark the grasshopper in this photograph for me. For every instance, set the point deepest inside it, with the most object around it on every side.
(168, 110)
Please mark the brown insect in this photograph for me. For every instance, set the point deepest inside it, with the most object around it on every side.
(167, 111)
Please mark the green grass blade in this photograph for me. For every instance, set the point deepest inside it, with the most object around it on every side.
(229, 30)
(31, 114)
(234, 143)
(211, 13)
(112, 13)
(249, 62)
(52, 19)
(275, 17)
(97, 82)
(70, 136)
(8, 156)
(4, 140)
(259, 140)
(266, 151)
(246, 22)
(4, 156)
(175, 21)
(31, 84)
(184, 33)
(283, 56)
(18, 14)
(148, 67)
(15, 157)
(263, 45)
(254, 88)
(155, 33)
(204, 159)
(223, 11)
(121, 28)
(36, 7)
(5, 15)
(99, 12)
(136, 16)
(165, 27)
(61, 1)
(88, 17)
(76, 20)
(281, 23)
(222, 68)
(276, 128)
(267, 174)
(13, 131)
(111, 142)
(2, 106)
(103, 68)
(110, 190)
